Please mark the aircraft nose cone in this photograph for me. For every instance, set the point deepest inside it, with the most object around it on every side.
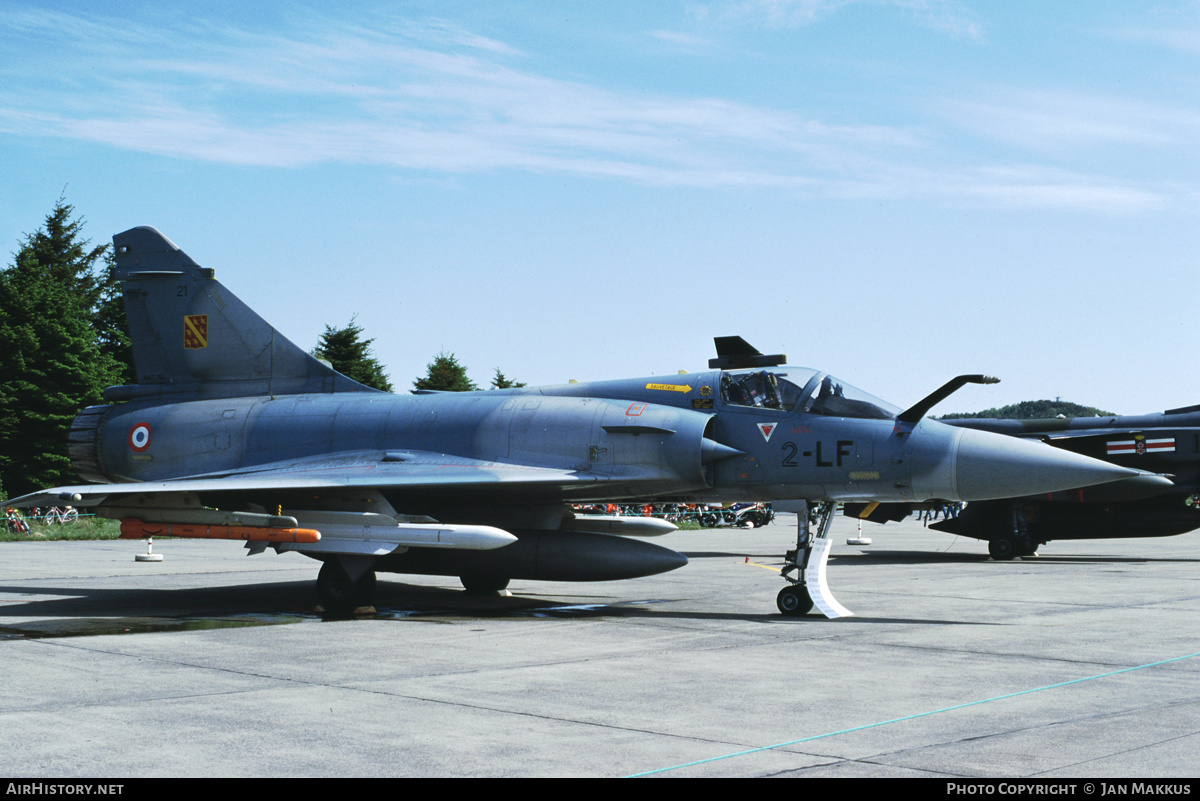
(990, 466)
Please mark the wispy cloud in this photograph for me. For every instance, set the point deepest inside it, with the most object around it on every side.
(681, 39)
(1061, 122)
(391, 96)
(432, 96)
(774, 13)
(1172, 27)
(948, 16)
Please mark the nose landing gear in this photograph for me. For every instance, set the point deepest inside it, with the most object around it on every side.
(809, 588)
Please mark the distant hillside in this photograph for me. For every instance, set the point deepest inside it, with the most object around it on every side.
(1028, 410)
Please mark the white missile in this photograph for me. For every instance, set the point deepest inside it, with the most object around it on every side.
(366, 532)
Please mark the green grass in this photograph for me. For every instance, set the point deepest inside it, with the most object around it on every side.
(87, 527)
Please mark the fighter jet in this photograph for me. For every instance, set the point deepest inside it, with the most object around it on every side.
(1161, 443)
(233, 432)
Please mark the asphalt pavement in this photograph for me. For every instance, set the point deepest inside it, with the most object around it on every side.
(1081, 662)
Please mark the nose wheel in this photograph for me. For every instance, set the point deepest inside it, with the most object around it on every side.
(793, 600)
(808, 561)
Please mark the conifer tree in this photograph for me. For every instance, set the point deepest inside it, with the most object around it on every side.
(51, 364)
(501, 381)
(447, 375)
(71, 261)
(111, 326)
(351, 355)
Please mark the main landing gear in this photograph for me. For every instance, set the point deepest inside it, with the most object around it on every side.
(1004, 548)
(341, 592)
(1017, 542)
(809, 588)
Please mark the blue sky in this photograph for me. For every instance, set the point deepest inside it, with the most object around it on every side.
(896, 191)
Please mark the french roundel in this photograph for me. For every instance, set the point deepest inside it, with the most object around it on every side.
(139, 437)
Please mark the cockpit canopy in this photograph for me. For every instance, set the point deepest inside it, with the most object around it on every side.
(801, 389)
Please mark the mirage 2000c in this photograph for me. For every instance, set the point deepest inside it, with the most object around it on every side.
(233, 432)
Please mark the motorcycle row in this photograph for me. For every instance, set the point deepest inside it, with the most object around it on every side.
(741, 515)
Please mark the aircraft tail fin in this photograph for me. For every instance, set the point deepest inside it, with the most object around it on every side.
(192, 335)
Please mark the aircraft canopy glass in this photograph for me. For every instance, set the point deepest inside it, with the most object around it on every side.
(836, 398)
(789, 389)
(770, 389)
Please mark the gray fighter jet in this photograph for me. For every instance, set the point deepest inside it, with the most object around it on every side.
(233, 432)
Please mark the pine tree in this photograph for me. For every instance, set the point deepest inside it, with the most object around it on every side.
(51, 365)
(87, 272)
(111, 326)
(501, 381)
(447, 375)
(351, 355)
(59, 247)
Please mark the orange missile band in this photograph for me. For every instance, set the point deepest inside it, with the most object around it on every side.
(137, 529)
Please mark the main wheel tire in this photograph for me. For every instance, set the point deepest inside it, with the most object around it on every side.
(1002, 549)
(794, 600)
(341, 595)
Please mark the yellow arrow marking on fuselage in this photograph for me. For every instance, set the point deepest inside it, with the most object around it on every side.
(671, 387)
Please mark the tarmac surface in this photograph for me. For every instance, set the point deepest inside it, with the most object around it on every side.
(1081, 662)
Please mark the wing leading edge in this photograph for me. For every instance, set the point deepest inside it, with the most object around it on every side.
(400, 470)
